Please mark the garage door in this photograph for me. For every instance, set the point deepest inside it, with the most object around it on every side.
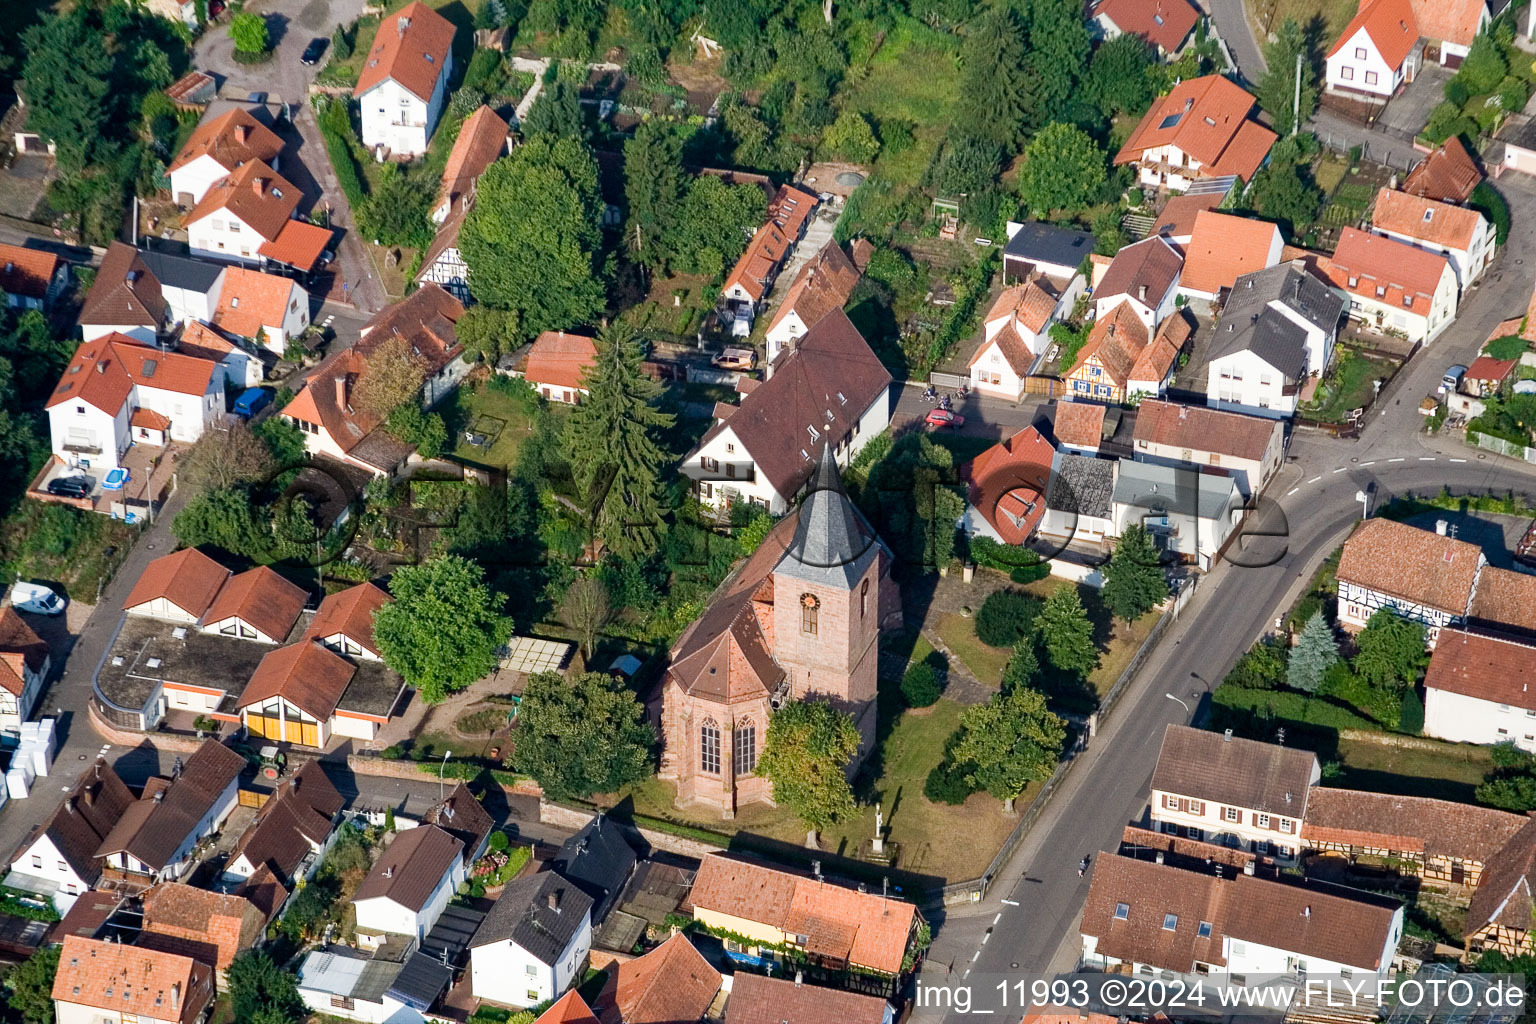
(307, 733)
(265, 726)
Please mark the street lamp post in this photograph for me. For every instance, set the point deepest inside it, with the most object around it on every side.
(1365, 504)
(1178, 701)
(446, 755)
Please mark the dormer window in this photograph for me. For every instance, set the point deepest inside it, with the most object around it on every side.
(1354, 282)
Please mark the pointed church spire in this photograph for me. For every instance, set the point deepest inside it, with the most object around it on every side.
(831, 535)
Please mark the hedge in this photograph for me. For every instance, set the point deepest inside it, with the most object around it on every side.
(336, 129)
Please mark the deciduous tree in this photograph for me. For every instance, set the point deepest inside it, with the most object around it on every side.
(1063, 170)
(1134, 583)
(444, 627)
(29, 987)
(1277, 86)
(488, 333)
(531, 241)
(225, 456)
(713, 228)
(1012, 740)
(615, 457)
(1391, 651)
(392, 375)
(851, 138)
(556, 113)
(1118, 81)
(1066, 633)
(806, 756)
(586, 610)
(249, 31)
(581, 734)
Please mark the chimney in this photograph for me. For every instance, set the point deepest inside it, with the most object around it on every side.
(89, 795)
(554, 900)
(401, 24)
(101, 366)
(176, 996)
(341, 391)
(799, 978)
(159, 796)
(242, 133)
(1228, 736)
(1440, 526)
(1247, 867)
(69, 805)
(1159, 856)
(1306, 911)
(259, 185)
(1141, 293)
(389, 872)
(816, 869)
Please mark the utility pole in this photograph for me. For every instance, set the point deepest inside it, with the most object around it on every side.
(1296, 100)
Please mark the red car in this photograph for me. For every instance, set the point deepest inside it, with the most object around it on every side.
(944, 418)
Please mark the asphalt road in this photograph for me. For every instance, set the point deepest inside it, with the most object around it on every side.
(1029, 920)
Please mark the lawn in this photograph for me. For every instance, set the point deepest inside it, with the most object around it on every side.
(909, 74)
(1349, 385)
(1330, 172)
(1266, 16)
(504, 418)
(924, 831)
(985, 661)
(1449, 771)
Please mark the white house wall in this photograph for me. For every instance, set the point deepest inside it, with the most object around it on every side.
(397, 119)
(504, 972)
(1462, 719)
(1348, 62)
(190, 183)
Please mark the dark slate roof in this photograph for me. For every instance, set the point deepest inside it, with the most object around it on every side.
(598, 860)
(452, 933)
(523, 915)
(832, 542)
(1081, 485)
(1219, 768)
(462, 816)
(1270, 335)
(1046, 243)
(421, 981)
(181, 272)
(1289, 283)
(82, 821)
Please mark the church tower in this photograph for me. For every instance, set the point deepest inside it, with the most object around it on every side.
(826, 600)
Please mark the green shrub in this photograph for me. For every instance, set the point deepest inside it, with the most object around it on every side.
(920, 686)
(1030, 573)
(498, 842)
(947, 784)
(1411, 719)
(1485, 200)
(1510, 346)
(1456, 93)
(1261, 668)
(988, 552)
(1006, 617)
(336, 129)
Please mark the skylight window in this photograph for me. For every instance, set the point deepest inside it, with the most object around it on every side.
(1171, 120)
(1122, 911)
(1170, 922)
(1205, 930)
(1157, 19)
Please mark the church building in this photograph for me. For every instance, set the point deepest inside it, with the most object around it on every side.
(801, 617)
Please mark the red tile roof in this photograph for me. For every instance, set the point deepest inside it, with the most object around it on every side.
(1503, 893)
(1079, 423)
(199, 340)
(1207, 118)
(1224, 248)
(297, 819)
(670, 984)
(204, 925)
(1412, 564)
(263, 199)
(1153, 264)
(1427, 220)
(1178, 217)
(349, 612)
(1200, 428)
(26, 272)
(306, 674)
(1450, 21)
(262, 598)
(125, 293)
(119, 978)
(1505, 601)
(1487, 368)
(426, 321)
(759, 1000)
(1117, 340)
(298, 245)
(412, 46)
(232, 139)
(822, 285)
(349, 427)
(1495, 669)
(1163, 23)
(560, 359)
(251, 300)
(1410, 824)
(1407, 275)
(1391, 25)
(1006, 484)
(1449, 174)
(149, 419)
(568, 1009)
(187, 578)
(841, 924)
(482, 138)
(20, 649)
(787, 214)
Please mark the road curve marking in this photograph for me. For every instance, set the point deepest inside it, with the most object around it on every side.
(1314, 480)
(1292, 491)
(1341, 469)
(1371, 463)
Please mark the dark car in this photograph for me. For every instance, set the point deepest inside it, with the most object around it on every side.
(72, 486)
(313, 51)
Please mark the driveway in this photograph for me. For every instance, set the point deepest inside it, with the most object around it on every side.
(1408, 111)
(292, 24)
